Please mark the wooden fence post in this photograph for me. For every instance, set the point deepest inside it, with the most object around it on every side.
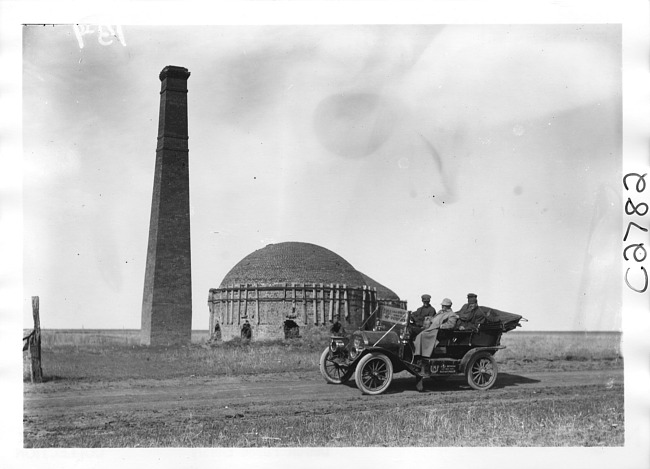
(246, 302)
(331, 315)
(363, 304)
(239, 304)
(257, 303)
(337, 301)
(227, 305)
(211, 313)
(35, 345)
(322, 304)
(221, 305)
(315, 306)
(304, 304)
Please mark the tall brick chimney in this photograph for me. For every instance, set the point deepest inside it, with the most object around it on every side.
(167, 299)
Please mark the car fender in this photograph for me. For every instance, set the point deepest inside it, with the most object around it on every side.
(398, 364)
(466, 358)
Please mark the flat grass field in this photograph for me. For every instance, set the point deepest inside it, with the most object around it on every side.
(115, 355)
(535, 412)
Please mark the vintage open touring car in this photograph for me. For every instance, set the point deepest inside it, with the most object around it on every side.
(373, 356)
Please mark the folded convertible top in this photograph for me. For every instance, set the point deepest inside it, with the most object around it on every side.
(508, 320)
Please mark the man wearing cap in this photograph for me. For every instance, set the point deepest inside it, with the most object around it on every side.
(426, 340)
(471, 314)
(423, 311)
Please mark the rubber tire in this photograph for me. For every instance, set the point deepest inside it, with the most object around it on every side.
(379, 362)
(332, 379)
(480, 365)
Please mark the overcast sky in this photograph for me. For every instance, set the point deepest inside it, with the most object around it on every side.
(435, 159)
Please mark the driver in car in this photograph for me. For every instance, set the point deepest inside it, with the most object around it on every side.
(417, 317)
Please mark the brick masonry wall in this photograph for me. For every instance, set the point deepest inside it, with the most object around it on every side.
(167, 297)
(293, 262)
(263, 331)
(267, 317)
(308, 283)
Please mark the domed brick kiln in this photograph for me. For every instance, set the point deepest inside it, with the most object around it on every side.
(282, 288)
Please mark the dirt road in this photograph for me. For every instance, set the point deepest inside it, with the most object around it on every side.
(300, 392)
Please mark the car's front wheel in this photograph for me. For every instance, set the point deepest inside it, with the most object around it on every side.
(374, 373)
(332, 371)
(481, 371)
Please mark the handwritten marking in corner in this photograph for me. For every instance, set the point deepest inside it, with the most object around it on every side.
(106, 34)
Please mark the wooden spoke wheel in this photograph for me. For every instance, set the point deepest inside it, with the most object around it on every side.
(481, 371)
(333, 372)
(374, 373)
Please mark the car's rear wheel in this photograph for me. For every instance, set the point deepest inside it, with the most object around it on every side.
(333, 372)
(481, 371)
(374, 373)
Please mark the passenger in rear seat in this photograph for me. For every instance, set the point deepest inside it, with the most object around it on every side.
(471, 314)
(446, 308)
(426, 340)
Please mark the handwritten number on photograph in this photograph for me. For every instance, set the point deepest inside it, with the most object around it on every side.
(640, 209)
(106, 34)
